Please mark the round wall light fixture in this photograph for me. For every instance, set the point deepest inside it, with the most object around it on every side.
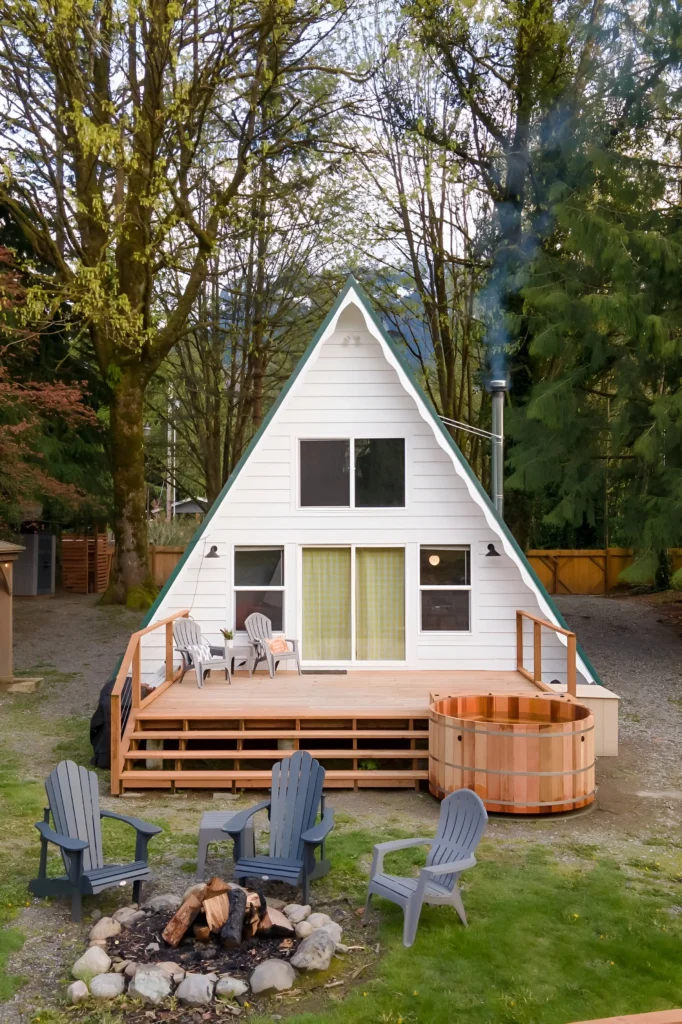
(434, 559)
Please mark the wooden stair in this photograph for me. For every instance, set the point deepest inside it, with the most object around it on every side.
(358, 753)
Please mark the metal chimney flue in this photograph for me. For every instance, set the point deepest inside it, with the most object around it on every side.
(498, 389)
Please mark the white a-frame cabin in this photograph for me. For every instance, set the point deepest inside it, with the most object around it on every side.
(354, 523)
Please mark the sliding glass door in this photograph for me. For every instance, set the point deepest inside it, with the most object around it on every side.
(353, 604)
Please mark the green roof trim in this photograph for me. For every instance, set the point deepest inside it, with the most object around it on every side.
(353, 284)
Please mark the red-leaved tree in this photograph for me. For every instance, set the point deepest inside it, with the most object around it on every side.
(28, 410)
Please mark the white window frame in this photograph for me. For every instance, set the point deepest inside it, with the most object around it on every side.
(351, 507)
(353, 661)
(445, 586)
(236, 587)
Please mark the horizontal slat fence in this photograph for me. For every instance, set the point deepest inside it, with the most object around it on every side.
(587, 570)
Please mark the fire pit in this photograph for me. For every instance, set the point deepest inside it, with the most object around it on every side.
(219, 927)
(221, 941)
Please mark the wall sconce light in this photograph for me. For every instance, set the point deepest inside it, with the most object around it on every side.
(492, 553)
(213, 552)
(434, 559)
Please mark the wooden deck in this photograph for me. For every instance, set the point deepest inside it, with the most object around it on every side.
(356, 694)
(369, 729)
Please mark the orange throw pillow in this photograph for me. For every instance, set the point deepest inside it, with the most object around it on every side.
(278, 645)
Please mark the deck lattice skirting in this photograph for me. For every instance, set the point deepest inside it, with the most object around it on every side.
(369, 729)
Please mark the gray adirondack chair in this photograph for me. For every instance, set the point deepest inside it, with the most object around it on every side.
(259, 630)
(73, 796)
(463, 821)
(295, 797)
(195, 652)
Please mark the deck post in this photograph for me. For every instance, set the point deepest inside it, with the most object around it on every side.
(537, 652)
(571, 679)
(115, 707)
(137, 676)
(169, 650)
(519, 640)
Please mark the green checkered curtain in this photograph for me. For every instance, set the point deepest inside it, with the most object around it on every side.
(380, 604)
(326, 604)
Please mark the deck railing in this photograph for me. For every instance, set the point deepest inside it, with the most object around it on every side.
(538, 625)
(126, 696)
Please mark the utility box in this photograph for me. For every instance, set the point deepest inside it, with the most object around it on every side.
(34, 569)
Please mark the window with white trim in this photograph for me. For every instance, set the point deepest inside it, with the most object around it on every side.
(445, 589)
(259, 584)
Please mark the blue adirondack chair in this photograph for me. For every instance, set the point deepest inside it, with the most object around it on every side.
(73, 796)
(295, 798)
(463, 821)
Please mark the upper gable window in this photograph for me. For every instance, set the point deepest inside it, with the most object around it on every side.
(358, 473)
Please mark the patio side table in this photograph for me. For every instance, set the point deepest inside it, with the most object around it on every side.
(242, 655)
(211, 831)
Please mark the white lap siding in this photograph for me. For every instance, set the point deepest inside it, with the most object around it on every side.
(349, 389)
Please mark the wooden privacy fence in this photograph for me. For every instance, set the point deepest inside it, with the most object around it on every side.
(586, 570)
(126, 696)
(85, 562)
(162, 560)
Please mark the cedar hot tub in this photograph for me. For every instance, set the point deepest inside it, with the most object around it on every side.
(522, 755)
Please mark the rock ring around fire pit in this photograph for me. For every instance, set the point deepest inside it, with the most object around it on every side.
(219, 941)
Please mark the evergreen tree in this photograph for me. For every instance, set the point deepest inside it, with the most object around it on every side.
(602, 430)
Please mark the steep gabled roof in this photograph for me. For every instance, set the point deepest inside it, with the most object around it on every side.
(353, 292)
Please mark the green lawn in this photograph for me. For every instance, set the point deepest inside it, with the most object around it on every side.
(555, 936)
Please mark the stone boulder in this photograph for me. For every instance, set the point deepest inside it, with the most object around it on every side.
(334, 929)
(150, 984)
(315, 953)
(318, 920)
(196, 989)
(231, 988)
(128, 916)
(107, 986)
(303, 930)
(272, 976)
(166, 902)
(297, 912)
(77, 991)
(94, 961)
(174, 971)
(106, 928)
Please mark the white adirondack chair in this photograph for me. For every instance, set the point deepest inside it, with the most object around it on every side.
(259, 630)
(196, 653)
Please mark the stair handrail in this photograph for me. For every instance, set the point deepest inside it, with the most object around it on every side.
(133, 659)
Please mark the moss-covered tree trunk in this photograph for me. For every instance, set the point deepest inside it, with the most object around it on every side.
(130, 581)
